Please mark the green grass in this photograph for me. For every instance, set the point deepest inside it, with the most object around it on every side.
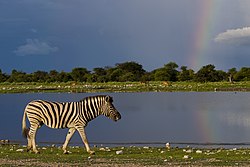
(137, 156)
(123, 87)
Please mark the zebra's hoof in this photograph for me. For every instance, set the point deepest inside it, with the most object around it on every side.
(37, 152)
(66, 152)
(92, 152)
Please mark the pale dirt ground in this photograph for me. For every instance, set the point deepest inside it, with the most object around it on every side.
(32, 162)
(101, 163)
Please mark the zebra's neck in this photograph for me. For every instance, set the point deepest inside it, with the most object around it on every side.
(91, 108)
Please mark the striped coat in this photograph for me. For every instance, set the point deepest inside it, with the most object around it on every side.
(72, 115)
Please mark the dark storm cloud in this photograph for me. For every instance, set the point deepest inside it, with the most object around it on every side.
(82, 33)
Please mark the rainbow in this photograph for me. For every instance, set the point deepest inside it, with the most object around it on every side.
(200, 42)
(206, 128)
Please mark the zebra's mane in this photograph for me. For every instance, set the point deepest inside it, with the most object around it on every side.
(98, 96)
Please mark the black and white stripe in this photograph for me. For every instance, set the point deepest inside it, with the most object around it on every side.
(72, 115)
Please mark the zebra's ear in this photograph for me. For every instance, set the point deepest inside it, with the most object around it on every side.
(108, 99)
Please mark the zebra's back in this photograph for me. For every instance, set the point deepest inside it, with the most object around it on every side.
(52, 114)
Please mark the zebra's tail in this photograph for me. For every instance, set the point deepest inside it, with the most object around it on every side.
(25, 130)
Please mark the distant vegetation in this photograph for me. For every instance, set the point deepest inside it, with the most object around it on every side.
(130, 72)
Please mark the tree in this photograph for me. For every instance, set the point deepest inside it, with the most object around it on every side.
(221, 75)
(64, 77)
(146, 77)
(115, 74)
(167, 73)
(79, 74)
(209, 74)
(99, 75)
(160, 75)
(3, 77)
(40, 76)
(243, 74)
(129, 76)
(231, 73)
(19, 76)
(53, 76)
(130, 71)
(185, 74)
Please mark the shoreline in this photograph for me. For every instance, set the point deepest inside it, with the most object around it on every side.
(136, 143)
(112, 87)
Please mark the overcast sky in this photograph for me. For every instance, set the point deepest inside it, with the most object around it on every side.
(51, 34)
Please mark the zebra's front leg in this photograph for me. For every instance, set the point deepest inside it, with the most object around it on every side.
(68, 137)
(84, 139)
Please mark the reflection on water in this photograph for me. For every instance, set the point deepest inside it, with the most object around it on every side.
(220, 117)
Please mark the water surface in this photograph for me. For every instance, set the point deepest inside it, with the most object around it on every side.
(189, 117)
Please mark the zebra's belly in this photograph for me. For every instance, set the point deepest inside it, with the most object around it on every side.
(60, 126)
(55, 126)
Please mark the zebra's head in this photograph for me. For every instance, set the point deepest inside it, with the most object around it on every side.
(109, 110)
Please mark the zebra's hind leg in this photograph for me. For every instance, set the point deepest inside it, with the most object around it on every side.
(68, 137)
(29, 145)
(84, 139)
(32, 134)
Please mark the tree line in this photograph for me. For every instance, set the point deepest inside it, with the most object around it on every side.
(130, 71)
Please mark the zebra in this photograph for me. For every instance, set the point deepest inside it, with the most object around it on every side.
(71, 115)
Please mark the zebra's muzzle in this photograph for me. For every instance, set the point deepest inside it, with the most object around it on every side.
(118, 117)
